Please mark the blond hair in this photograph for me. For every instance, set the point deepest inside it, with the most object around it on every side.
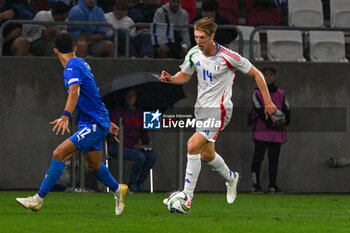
(206, 25)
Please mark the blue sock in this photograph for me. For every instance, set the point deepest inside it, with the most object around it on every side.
(106, 178)
(51, 177)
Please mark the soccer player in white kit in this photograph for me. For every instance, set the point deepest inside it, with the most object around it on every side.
(216, 67)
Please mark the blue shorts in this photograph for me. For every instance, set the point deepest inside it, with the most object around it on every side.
(89, 137)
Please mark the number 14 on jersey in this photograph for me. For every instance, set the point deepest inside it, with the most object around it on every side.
(207, 74)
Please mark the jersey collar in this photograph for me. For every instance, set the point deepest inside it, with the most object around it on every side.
(217, 50)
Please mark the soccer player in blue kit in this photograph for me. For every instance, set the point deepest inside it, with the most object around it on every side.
(93, 126)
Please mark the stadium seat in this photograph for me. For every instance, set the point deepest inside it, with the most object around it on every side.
(327, 46)
(284, 45)
(256, 16)
(340, 13)
(229, 9)
(303, 13)
(246, 31)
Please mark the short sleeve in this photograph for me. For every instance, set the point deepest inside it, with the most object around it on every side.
(71, 76)
(234, 60)
(188, 66)
(244, 65)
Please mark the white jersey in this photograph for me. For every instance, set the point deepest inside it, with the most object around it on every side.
(215, 74)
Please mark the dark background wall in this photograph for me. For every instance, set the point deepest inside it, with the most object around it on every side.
(32, 94)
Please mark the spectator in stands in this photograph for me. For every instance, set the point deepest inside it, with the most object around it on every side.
(142, 155)
(189, 6)
(267, 134)
(12, 39)
(41, 37)
(24, 10)
(210, 9)
(90, 39)
(140, 41)
(143, 11)
(172, 12)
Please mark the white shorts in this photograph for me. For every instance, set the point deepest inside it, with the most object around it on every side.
(211, 121)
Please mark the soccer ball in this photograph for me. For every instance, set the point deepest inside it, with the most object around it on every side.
(179, 202)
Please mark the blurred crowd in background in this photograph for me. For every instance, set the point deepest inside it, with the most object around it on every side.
(145, 41)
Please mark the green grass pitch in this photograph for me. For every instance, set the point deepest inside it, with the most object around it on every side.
(145, 212)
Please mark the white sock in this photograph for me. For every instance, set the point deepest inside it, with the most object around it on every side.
(192, 172)
(219, 166)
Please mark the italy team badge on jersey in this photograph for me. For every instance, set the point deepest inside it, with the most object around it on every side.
(216, 66)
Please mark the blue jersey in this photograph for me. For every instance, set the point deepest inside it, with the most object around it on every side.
(90, 108)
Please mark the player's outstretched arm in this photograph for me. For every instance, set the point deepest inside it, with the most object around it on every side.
(270, 108)
(72, 100)
(179, 78)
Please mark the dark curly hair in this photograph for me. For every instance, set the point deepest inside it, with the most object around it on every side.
(60, 8)
(64, 43)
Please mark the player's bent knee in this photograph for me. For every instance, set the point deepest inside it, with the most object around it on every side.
(58, 155)
(192, 148)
